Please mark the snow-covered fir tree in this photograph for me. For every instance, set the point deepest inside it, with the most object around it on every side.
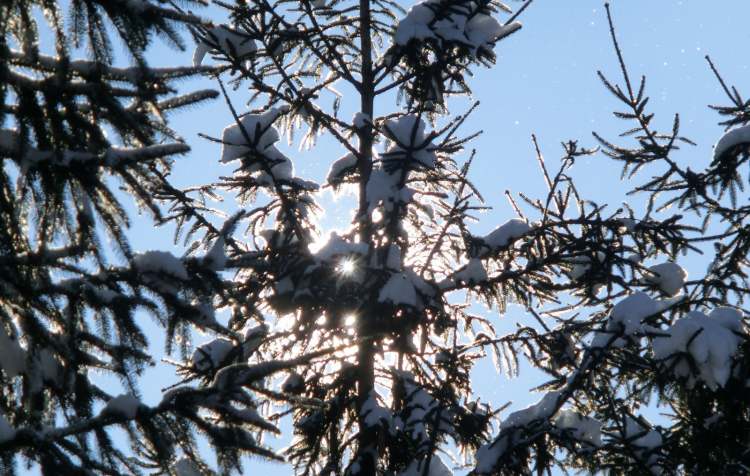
(74, 128)
(363, 337)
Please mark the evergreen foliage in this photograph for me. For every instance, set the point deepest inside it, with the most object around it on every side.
(364, 337)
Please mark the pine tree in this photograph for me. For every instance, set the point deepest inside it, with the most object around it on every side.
(364, 337)
(73, 126)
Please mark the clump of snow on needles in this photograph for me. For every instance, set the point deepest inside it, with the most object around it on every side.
(160, 262)
(731, 139)
(374, 414)
(505, 234)
(445, 21)
(225, 40)
(7, 432)
(645, 440)
(185, 467)
(436, 468)
(253, 136)
(340, 167)
(669, 277)
(124, 405)
(337, 246)
(408, 139)
(473, 273)
(488, 455)
(626, 319)
(12, 355)
(399, 290)
(582, 428)
(710, 341)
(211, 354)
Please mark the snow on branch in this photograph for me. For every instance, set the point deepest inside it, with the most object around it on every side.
(468, 23)
(227, 41)
(702, 348)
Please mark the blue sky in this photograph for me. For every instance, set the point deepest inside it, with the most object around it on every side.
(545, 83)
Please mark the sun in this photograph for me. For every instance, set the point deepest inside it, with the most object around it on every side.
(346, 266)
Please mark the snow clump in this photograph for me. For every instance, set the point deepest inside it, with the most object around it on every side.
(185, 467)
(420, 407)
(160, 262)
(582, 265)
(12, 355)
(731, 139)
(211, 354)
(669, 277)
(408, 144)
(216, 258)
(374, 414)
(488, 455)
(340, 168)
(7, 432)
(383, 187)
(408, 140)
(337, 246)
(627, 318)
(254, 136)
(399, 290)
(505, 234)
(646, 445)
(294, 383)
(710, 341)
(254, 337)
(417, 468)
(444, 21)
(582, 428)
(125, 405)
(224, 40)
(473, 273)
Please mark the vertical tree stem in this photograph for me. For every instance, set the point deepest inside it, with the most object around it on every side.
(367, 439)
